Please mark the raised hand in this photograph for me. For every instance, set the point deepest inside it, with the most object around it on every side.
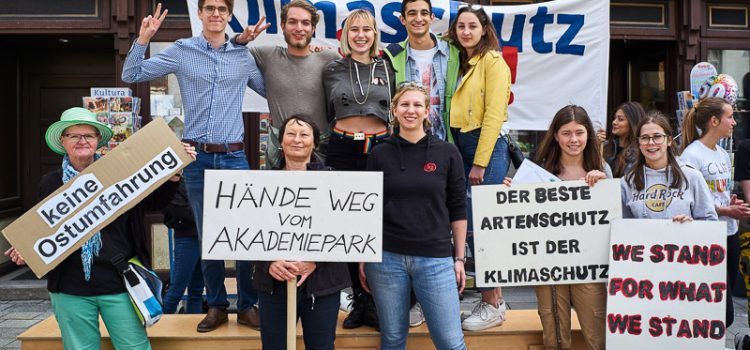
(150, 25)
(252, 32)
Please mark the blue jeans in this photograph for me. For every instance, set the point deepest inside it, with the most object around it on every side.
(213, 270)
(319, 317)
(494, 173)
(186, 273)
(434, 283)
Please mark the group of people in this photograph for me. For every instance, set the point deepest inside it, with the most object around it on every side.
(428, 113)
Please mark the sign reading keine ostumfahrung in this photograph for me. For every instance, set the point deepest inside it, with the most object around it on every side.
(667, 287)
(61, 223)
(547, 233)
(293, 215)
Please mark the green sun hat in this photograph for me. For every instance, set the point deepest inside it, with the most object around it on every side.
(75, 116)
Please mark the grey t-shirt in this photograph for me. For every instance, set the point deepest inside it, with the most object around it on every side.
(293, 83)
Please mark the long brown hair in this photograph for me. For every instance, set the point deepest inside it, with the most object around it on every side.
(486, 43)
(699, 116)
(634, 112)
(635, 176)
(548, 155)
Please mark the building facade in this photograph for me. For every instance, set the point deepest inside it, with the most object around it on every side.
(54, 51)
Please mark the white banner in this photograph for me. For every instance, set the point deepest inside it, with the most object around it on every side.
(293, 215)
(562, 48)
(667, 287)
(537, 234)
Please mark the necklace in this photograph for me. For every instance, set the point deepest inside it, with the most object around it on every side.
(359, 83)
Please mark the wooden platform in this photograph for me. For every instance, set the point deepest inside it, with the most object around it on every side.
(521, 331)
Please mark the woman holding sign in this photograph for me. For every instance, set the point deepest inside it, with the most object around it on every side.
(86, 284)
(571, 152)
(358, 94)
(657, 170)
(424, 211)
(320, 283)
(478, 110)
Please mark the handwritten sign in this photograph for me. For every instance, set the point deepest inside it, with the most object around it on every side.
(293, 215)
(62, 222)
(667, 287)
(547, 233)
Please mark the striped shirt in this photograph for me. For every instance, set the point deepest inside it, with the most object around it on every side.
(212, 84)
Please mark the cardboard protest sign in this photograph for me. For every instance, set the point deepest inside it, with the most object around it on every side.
(667, 287)
(293, 215)
(546, 233)
(62, 222)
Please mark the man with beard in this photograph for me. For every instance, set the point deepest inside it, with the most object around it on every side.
(212, 73)
(293, 74)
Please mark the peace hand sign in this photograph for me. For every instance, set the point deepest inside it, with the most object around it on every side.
(150, 25)
(252, 32)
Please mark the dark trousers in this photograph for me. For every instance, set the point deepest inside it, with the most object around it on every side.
(345, 154)
(733, 269)
(319, 317)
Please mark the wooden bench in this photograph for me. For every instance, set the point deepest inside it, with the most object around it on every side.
(522, 330)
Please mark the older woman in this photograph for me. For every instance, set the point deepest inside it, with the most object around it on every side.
(86, 284)
(358, 94)
(320, 283)
(424, 227)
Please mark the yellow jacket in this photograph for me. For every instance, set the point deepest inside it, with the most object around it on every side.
(481, 101)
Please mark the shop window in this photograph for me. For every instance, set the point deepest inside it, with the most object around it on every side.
(728, 17)
(166, 102)
(737, 64)
(177, 8)
(638, 14)
(50, 8)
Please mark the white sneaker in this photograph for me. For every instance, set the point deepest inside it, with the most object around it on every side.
(416, 316)
(484, 316)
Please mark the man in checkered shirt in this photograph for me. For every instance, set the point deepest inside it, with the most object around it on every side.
(212, 73)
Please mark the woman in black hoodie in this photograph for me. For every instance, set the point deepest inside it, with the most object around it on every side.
(424, 227)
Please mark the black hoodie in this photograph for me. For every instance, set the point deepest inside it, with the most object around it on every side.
(423, 192)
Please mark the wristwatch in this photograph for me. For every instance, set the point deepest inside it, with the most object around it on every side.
(459, 258)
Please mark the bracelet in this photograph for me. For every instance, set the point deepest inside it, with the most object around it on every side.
(461, 259)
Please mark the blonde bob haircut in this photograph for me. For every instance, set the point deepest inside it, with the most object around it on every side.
(404, 88)
(367, 17)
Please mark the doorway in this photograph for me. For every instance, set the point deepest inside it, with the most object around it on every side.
(54, 73)
(643, 71)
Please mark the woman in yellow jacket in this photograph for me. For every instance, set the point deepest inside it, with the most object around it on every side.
(478, 110)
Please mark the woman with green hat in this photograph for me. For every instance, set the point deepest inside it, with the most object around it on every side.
(86, 284)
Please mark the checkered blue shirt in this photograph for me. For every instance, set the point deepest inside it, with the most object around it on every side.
(212, 84)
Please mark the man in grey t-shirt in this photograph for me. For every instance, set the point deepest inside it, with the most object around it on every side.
(292, 74)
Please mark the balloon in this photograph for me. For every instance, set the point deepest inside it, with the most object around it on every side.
(724, 86)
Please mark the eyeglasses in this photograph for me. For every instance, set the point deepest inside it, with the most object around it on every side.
(223, 10)
(77, 137)
(657, 139)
